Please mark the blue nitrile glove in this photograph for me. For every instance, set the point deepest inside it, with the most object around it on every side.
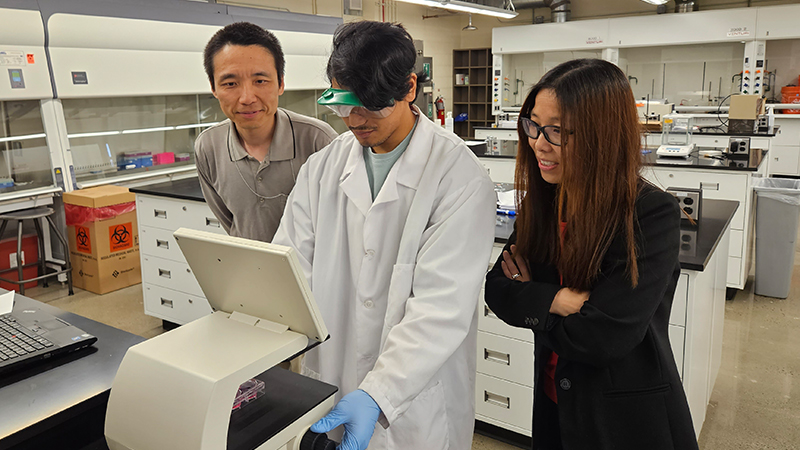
(359, 414)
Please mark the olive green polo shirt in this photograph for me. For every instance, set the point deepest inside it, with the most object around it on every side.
(246, 195)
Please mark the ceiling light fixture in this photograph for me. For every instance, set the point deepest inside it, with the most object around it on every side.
(470, 27)
(656, 2)
(467, 7)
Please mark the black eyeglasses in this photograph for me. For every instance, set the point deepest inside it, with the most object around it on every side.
(552, 133)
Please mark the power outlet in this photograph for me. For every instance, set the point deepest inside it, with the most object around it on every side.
(12, 259)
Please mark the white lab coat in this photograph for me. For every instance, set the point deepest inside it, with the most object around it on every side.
(397, 280)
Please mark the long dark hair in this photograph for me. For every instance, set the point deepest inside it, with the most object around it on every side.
(600, 162)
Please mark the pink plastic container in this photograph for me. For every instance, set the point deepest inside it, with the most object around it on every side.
(164, 158)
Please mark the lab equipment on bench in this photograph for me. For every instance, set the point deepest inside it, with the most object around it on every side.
(178, 389)
(676, 136)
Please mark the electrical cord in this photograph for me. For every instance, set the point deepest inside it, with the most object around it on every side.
(719, 110)
(291, 164)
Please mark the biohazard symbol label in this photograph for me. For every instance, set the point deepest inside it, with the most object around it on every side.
(119, 237)
(82, 239)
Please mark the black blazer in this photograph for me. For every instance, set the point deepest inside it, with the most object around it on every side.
(617, 383)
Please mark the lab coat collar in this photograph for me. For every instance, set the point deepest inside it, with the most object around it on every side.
(354, 182)
(411, 165)
(281, 148)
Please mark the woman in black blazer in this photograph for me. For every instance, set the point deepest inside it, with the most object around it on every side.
(591, 268)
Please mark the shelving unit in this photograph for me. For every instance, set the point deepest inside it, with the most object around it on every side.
(474, 96)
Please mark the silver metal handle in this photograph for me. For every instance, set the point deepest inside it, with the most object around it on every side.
(497, 400)
(160, 214)
(210, 222)
(164, 273)
(488, 312)
(709, 186)
(497, 357)
(162, 244)
(165, 302)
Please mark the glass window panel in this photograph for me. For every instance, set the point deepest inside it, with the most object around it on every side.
(783, 67)
(119, 136)
(695, 75)
(525, 70)
(24, 155)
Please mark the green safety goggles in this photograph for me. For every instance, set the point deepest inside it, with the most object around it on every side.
(343, 103)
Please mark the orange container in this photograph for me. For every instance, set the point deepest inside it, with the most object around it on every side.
(790, 94)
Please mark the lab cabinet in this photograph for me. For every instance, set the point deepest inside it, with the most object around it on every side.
(722, 185)
(170, 289)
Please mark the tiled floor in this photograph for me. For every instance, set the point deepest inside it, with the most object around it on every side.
(755, 403)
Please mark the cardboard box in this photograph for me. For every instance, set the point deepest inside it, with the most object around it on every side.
(746, 107)
(104, 252)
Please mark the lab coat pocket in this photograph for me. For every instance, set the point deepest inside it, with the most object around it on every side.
(424, 425)
(400, 288)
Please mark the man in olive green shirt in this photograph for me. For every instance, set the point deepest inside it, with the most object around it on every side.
(247, 165)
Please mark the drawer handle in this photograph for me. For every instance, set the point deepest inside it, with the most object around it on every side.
(162, 244)
(160, 214)
(496, 357)
(212, 222)
(488, 312)
(709, 186)
(165, 302)
(164, 273)
(497, 400)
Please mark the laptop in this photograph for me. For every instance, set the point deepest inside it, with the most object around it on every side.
(29, 336)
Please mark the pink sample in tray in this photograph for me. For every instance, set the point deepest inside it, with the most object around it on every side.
(248, 391)
(164, 158)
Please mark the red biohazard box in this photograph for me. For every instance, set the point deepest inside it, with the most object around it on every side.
(103, 238)
(8, 259)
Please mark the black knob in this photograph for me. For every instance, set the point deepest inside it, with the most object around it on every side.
(315, 441)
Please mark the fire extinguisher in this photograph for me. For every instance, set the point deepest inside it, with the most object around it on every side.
(440, 109)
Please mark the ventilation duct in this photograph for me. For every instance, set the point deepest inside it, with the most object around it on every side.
(559, 9)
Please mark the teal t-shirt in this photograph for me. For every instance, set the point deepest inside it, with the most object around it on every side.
(379, 164)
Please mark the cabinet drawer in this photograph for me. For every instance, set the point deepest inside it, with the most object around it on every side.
(487, 321)
(677, 337)
(678, 314)
(159, 243)
(788, 133)
(158, 212)
(170, 274)
(505, 358)
(504, 401)
(174, 306)
(199, 217)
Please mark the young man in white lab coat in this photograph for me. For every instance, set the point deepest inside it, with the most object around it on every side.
(393, 224)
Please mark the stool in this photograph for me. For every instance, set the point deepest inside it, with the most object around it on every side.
(36, 214)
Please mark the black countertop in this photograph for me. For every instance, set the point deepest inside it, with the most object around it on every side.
(38, 399)
(696, 160)
(697, 243)
(185, 189)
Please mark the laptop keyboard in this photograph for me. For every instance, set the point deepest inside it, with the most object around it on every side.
(17, 340)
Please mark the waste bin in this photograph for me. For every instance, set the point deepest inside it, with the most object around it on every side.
(777, 214)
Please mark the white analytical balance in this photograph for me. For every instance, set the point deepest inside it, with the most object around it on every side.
(177, 390)
(676, 136)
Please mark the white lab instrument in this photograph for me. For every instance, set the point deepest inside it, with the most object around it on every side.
(177, 390)
(676, 136)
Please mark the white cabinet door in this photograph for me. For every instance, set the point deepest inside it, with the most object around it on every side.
(784, 160)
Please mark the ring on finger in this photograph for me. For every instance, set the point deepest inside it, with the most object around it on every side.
(515, 276)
